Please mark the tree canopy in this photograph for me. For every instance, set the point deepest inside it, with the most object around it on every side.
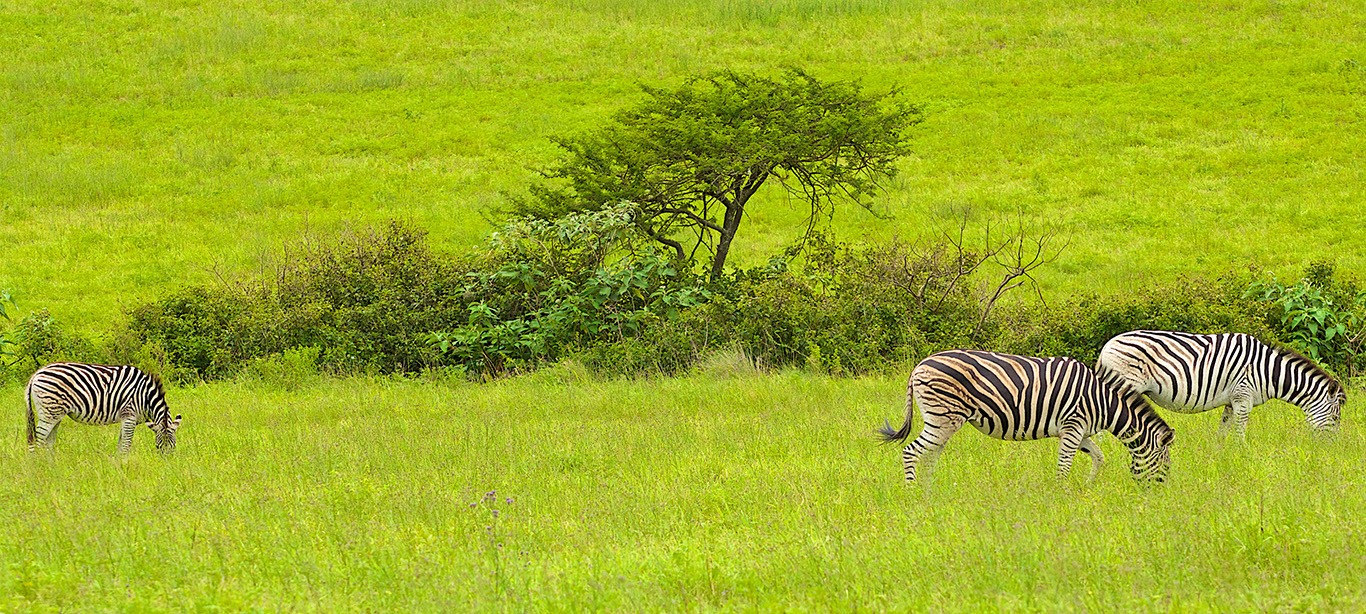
(692, 157)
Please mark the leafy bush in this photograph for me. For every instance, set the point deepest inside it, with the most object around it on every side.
(40, 339)
(545, 289)
(837, 313)
(7, 343)
(1080, 327)
(289, 370)
(588, 287)
(364, 301)
(1321, 316)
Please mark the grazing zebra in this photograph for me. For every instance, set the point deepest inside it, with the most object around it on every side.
(1191, 373)
(98, 394)
(1022, 398)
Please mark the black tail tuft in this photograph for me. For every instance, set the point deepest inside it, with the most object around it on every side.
(32, 430)
(887, 435)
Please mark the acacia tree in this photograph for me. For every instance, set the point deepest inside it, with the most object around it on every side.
(692, 157)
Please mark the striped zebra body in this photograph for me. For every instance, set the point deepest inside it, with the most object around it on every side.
(1192, 373)
(1024, 398)
(98, 394)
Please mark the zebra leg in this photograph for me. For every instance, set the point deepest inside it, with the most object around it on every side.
(1241, 403)
(45, 427)
(126, 430)
(1227, 419)
(1071, 440)
(1241, 411)
(1097, 458)
(927, 445)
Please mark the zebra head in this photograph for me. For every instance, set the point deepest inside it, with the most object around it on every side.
(1313, 389)
(159, 414)
(1325, 411)
(1149, 446)
(165, 434)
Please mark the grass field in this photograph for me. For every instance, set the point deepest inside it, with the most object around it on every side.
(146, 145)
(722, 491)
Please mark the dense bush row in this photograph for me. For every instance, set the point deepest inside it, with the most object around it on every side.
(586, 287)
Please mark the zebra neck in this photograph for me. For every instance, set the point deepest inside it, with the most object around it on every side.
(1289, 380)
(1124, 417)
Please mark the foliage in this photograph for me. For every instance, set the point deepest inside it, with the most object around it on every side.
(384, 301)
(544, 288)
(288, 370)
(1080, 326)
(7, 305)
(692, 157)
(1323, 317)
(585, 286)
(364, 300)
(828, 305)
(40, 339)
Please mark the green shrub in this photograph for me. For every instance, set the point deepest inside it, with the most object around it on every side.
(849, 310)
(40, 339)
(7, 306)
(544, 290)
(584, 287)
(1080, 327)
(289, 370)
(1323, 317)
(365, 301)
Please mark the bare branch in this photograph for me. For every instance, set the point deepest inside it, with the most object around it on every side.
(1020, 264)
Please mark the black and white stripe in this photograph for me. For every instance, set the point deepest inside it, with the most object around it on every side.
(1191, 373)
(98, 394)
(1024, 398)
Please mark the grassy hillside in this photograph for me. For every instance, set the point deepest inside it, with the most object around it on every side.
(716, 492)
(149, 144)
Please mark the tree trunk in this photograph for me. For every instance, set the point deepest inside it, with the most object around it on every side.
(718, 262)
(734, 212)
(735, 209)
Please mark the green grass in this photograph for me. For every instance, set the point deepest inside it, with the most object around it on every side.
(713, 492)
(146, 145)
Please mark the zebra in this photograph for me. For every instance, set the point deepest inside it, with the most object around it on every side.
(1024, 398)
(1190, 373)
(98, 394)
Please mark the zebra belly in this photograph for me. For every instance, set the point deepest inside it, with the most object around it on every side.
(91, 419)
(1000, 430)
(1192, 406)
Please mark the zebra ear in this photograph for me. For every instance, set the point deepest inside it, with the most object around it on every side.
(175, 424)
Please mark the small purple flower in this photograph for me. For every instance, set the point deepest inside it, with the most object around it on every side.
(495, 513)
(509, 499)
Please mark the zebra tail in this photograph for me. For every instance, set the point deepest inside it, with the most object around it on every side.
(887, 435)
(32, 422)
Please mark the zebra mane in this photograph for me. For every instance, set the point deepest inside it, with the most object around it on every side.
(1295, 357)
(158, 386)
